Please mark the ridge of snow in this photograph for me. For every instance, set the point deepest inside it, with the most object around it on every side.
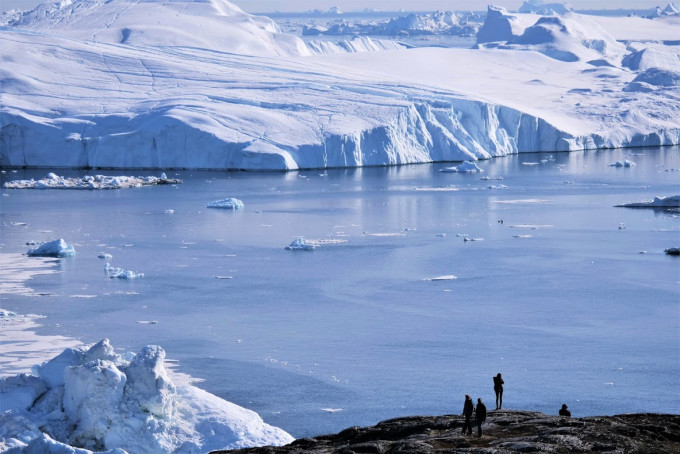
(356, 44)
(94, 399)
(210, 24)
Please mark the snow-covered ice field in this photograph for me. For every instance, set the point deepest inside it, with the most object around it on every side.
(570, 297)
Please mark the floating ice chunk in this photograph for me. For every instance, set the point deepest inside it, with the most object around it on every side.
(448, 277)
(56, 248)
(120, 273)
(658, 202)
(331, 410)
(624, 163)
(465, 167)
(169, 211)
(120, 404)
(229, 204)
(301, 245)
(54, 181)
(104, 255)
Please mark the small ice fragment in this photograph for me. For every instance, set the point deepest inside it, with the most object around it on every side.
(624, 163)
(331, 410)
(120, 273)
(448, 277)
(169, 211)
(622, 226)
(56, 248)
(441, 235)
(224, 277)
(104, 255)
(229, 204)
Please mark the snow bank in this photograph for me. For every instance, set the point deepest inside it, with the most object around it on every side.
(53, 181)
(56, 248)
(93, 399)
(229, 204)
(658, 202)
(465, 167)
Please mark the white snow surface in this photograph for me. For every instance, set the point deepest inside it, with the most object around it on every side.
(215, 88)
(93, 399)
(55, 248)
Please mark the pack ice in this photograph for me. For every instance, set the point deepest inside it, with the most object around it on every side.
(93, 399)
(207, 86)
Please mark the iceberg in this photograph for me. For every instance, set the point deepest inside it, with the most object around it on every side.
(300, 244)
(120, 273)
(56, 248)
(465, 167)
(624, 163)
(93, 399)
(228, 204)
(238, 94)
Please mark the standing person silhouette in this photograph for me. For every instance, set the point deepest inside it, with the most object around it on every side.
(480, 415)
(468, 408)
(498, 389)
(564, 411)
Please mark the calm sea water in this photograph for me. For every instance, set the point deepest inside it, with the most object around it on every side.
(571, 298)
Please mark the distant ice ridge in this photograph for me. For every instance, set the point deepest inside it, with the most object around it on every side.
(435, 23)
(228, 204)
(176, 104)
(356, 44)
(86, 400)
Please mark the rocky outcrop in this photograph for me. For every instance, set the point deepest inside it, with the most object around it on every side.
(505, 431)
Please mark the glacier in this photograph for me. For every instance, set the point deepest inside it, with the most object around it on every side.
(87, 84)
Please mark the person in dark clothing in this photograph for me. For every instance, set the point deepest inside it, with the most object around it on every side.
(468, 408)
(498, 389)
(480, 415)
(564, 411)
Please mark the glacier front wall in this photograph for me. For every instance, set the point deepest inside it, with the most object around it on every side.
(415, 132)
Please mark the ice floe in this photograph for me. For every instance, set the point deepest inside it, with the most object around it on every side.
(56, 248)
(93, 399)
(54, 181)
(227, 204)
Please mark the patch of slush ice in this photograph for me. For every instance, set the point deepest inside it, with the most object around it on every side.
(98, 400)
(54, 181)
(465, 167)
(332, 410)
(229, 204)
(56, 248)
(300, 244)
(660, 202)
(522, 201)
(624, 163)
(16, 271)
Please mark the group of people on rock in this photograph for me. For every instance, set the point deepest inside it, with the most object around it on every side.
(480, 409)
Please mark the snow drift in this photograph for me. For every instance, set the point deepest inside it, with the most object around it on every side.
(256, 103)
(97, 400)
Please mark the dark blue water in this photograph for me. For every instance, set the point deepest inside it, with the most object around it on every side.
(570, 297)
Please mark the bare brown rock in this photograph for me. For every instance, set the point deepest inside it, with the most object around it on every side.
(505, 431)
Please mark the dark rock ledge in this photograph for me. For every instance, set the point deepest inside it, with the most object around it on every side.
(505, 431)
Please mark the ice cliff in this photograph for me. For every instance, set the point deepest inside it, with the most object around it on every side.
(231, 92)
